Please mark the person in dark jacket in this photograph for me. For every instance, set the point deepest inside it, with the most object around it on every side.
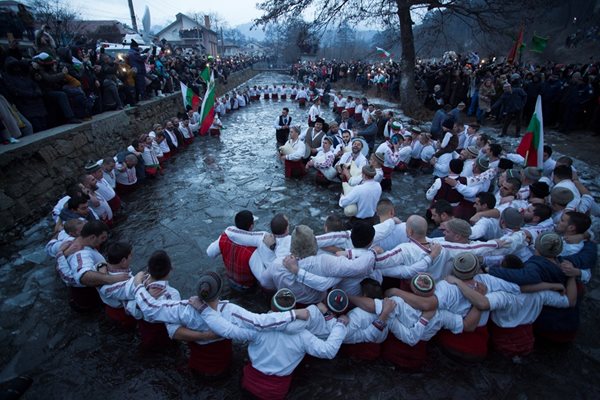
(136, 61)
(25, 93)
(511, 102)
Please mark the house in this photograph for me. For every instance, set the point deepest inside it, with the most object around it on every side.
(255, 49)
(230, 49)
(188, 33)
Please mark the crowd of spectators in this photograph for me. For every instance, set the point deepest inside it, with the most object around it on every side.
(570, 92)
(58, 85)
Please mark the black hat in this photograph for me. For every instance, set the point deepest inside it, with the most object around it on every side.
(134, 44)
(505, 164)
(448, 123)
(319, 120)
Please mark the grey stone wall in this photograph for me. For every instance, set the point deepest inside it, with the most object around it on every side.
(34, 172)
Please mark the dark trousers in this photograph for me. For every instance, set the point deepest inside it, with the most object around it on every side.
(282, 136)
(510, 117)
(140, 86)
(62, 100)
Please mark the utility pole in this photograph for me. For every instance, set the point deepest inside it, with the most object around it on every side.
(132, 13)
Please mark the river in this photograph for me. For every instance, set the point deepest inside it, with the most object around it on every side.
(73, 356)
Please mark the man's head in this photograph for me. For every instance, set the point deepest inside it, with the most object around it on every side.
(159, 265)
(530, 175)
(337, 301)
(319, 125)
(562, 172)
(368, 172)
(493, 150)
(456, 230)
(346, 135)
(357, 146)
(484, 201)
(385, 209)
(73, 227)
(510, 187)
(548, 245)
(423, 285)
(119, 254)
(416, 227)
(560, 197)
(362, 235)
(456, 166)
(334, 223)
(283, 300)
(94, 233)
(511, 218)
(131, 160)
(244, 220)
(573, 223)
(536, 213)
(371, 288)
(89, 181)
(294, 132)
(465, 266)
(334, 127)
(304, 243)
(441, 211)
(285, 111)
(279, 225)
(210, 286)
(539, 190)
(108, 164)
(79, 205)
(547, 152)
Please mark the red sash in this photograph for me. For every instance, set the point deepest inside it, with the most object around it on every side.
(265, 387)
(362, 351)
(125, 189)
(464, 210)
(215, 132)
(115, 203)
(151, 171)
(403, 355)
(517, 341)
(302, 102)
(153, 335)
(320, 179)
(292, 96)
(283, 97)
(294, 169)
(275, 96)
(339, 109)
(119, 316)
(387, 172)
(266, 96)
(188, 141)
(350, 111)
(211, 359)
(471, 346)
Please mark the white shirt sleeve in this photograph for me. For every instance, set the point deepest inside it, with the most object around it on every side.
(317, 282)
(341, 267)
(261, 322)
(168, 311)
(432, 191)
(213, 249)
(407, 271)
(224, 328)
(324, 349)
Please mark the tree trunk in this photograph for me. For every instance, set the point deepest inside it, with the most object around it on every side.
(408, 94)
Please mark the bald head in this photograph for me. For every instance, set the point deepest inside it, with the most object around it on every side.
(416, 226)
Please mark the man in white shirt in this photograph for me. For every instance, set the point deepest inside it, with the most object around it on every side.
(365, 196)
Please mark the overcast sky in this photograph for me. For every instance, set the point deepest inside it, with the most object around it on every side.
(234, 12)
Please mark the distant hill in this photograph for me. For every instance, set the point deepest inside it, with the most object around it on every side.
(256, 34)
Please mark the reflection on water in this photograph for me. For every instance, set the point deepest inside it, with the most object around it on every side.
(75, 356)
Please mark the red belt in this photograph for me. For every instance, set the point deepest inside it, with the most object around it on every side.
(265, 387)
(517, 341)
(211, 359)
(403, 355)
(468, 345)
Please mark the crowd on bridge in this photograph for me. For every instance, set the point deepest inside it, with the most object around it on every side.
(67, 85)
(505, 264)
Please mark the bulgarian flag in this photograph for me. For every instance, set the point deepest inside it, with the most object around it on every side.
(207, 113)
(383, 53)
(189, 97)
(532, 145)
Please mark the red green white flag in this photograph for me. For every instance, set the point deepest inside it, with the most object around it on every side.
(189, 97)
(207, 113)
(532, 145)
(383, 53)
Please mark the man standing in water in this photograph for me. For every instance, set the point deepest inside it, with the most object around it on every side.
(282, 126)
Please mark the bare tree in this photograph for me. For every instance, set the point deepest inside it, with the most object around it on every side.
(63, 20)
(487, 14)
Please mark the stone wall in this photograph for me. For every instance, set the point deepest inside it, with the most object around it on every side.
(34, 172)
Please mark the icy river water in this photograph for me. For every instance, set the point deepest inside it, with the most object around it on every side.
(74, 356)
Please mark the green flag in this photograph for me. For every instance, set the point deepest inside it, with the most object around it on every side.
(538, 43)
(205, 74)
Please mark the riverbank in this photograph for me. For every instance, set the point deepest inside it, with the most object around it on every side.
(34, 172)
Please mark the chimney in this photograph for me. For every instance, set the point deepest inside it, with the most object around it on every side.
(207, 22)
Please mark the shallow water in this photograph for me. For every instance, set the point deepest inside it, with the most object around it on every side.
(74, 356)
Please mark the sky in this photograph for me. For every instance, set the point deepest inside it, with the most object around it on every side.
(234, 12)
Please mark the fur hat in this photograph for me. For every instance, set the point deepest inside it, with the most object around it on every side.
(304, 243)
(561, 196)
(337, 301)
(483, 163)
(380, 157)
(465, 266)
(210, 285)
(422, 284)
(549, 244)
(473, 151)
(459, 226)
(283, 300)
(512, 218)
(91, 167)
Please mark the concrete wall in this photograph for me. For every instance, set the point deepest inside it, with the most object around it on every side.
(34, 172)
